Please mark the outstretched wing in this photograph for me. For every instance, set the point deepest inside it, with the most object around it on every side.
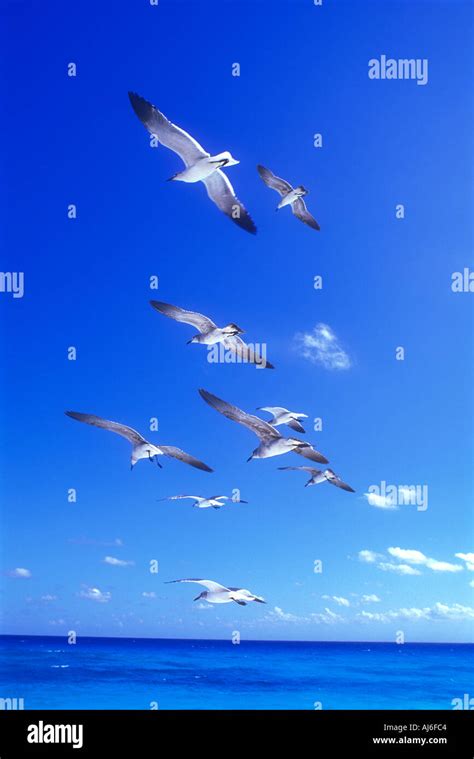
(201, 322)
(245, 353)
(177, 453)
(170, 135)
(259, 426)
(301, 212)
(309, 469)
(222, 194)
(96, 421)
(334, 479)
(197, 498)
(311, 453)
(295, 425)
(214, 587)
(274, 182)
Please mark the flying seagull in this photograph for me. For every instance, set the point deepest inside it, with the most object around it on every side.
(283, 416)
(219, 594)
(289, 196)
(318, 476)
(204, 503)
(141, 448)
(200, 166)
(210, 333)
(271, 442)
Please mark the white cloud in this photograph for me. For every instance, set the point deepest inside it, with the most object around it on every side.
(408, 554)
(370, 557)
(401, 569)
(381, 501)
(94, 594)
(339, 600)
(117, 562)
(468, 558)
(151, 594)
(49, 597)
(370, 599)
(437, 612)
(20, 573)
(321, 346)
(413, 556)
(286, 616)
(471, 584)
(327, 617)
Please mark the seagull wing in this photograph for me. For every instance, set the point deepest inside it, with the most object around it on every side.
(222, 194)
(214, 587)
(197, 498)
(201, 322)
(177, 453)
(335, 480)
(312, 472)
(244, 352)
(273, 409)
(274, 182)
(301, 212)
(310, 453)
(259, 426)
(170, 135)
(121, 429)
(295, 425)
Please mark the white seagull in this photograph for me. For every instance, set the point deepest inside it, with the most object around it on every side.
(200, 166)
(210, 333)
(219, 594)
(289, 196)
(214, 501)
(141, 448)
(318, 476)
(271, 442)
(283, 416)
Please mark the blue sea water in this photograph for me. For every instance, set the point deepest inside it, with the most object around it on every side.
(118, 673)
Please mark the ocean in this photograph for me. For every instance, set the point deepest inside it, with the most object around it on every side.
(120, 673)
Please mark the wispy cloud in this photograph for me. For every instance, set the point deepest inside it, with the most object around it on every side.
(117, 562)
(468, 558)
(381, 501)
(369, 557)
(19, 573)
(439, 611)
(150, 594)
(321, 346)
(94, 594)
(409, 559)
(48, 598)
(370, 598)
(339, 600)
(412, 556)
(326, 617)
(400, 569)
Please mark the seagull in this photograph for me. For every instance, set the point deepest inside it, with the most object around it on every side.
(210, 333)
(283, 416)
(318, 476)
(271, 442)
(141, 448)
(200, 166)
(204, 503)
(289, 196)
(219, 594)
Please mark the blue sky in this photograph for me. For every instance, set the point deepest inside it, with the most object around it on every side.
(386, 283)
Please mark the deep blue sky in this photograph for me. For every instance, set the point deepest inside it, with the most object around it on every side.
(387, 283)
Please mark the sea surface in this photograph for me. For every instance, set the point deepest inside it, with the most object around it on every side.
(119, 673)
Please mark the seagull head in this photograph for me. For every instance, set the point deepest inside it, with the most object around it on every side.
(228, 159)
